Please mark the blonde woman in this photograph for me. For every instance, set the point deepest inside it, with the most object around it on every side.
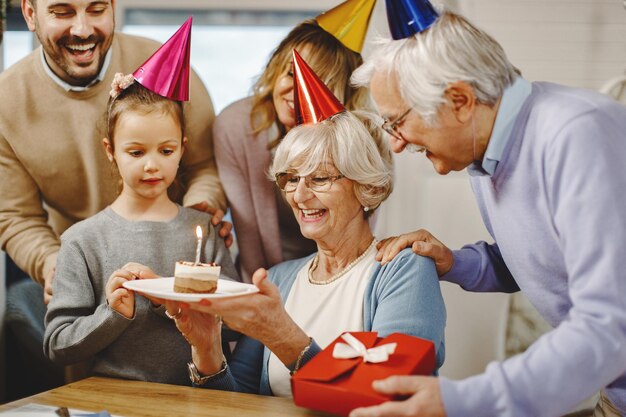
(247, 132)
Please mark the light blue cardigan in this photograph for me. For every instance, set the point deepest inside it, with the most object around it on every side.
(402, 296)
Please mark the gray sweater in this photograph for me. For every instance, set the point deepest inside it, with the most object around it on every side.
(80, 326)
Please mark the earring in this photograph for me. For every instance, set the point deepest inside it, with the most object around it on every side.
(366, 209)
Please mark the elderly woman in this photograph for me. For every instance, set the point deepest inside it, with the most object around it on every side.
(246, 134)
(333, 175)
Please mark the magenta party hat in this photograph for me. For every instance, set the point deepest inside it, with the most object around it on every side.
(312, 100)
(408, 17)
(166, 72)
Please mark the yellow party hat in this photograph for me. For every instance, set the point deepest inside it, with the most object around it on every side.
(348, 22)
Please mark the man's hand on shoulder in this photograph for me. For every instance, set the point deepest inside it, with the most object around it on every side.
(225, 230)
(422, 242)
(47, 287)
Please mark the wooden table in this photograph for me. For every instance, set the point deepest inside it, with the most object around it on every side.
(146, 399)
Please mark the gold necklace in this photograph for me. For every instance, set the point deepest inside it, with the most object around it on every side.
(341, 273)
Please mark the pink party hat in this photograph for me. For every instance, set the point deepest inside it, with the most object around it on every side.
(166, 72)
(312, 100)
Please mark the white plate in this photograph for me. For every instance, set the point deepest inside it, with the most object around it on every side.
(164, 288)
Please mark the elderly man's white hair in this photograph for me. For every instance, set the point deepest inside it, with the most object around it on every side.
(425, 64)
(349, 141)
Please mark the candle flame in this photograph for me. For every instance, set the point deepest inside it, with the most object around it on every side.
(199, 232)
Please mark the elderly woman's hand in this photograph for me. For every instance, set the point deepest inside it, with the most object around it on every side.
(262, 317)
(203, 332)
(422, 242)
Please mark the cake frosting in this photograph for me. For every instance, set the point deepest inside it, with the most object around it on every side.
(192, 278)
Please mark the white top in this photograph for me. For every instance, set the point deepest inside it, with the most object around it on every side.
(323, 312)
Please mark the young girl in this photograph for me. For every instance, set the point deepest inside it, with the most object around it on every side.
(92, 316)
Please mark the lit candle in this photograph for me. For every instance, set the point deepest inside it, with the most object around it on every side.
(199, 247)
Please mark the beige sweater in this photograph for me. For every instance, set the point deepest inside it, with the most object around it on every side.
(53, 168)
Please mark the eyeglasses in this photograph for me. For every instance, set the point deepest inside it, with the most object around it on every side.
(392, 129)
(319, 181)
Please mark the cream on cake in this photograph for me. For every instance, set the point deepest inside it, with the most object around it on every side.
(192, 278)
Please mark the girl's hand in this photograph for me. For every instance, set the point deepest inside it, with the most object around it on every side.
(143, 272)
(203, 332)
(119, 298)
(140, 271)
(262, 317)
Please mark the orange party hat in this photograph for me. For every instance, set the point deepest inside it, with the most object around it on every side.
(348, 22)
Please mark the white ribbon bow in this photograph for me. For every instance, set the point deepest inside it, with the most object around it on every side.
(355, 348)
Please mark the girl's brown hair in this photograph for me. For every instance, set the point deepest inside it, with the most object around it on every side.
(137, 98)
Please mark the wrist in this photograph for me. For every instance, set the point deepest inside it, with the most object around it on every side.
(207, 362)
(295, 366)
(290, 344)
(197, 378)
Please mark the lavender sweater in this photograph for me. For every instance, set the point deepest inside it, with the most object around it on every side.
(556, 208)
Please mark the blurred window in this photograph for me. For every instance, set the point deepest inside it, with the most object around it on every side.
(229, 49)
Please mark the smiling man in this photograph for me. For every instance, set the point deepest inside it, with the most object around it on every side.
(75, 37)
(53, 171)
(546, 165)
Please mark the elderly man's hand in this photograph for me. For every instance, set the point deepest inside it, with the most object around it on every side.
(425, 400)
(423, 243)
(226, 227)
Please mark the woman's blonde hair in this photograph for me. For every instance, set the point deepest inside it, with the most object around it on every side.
(351, 142)
(330, 59)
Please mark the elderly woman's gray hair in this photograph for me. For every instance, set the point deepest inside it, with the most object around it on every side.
(351, 142)
(423, 65)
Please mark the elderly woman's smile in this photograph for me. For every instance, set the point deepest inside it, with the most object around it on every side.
(312, 214)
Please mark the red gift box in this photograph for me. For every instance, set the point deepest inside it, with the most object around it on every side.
(340, 385)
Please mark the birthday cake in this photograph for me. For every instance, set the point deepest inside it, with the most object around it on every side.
(196, 278)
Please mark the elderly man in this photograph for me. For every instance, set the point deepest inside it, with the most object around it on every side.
(53, 170)
(547, 166)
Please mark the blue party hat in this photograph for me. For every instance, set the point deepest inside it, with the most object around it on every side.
(408, 17)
